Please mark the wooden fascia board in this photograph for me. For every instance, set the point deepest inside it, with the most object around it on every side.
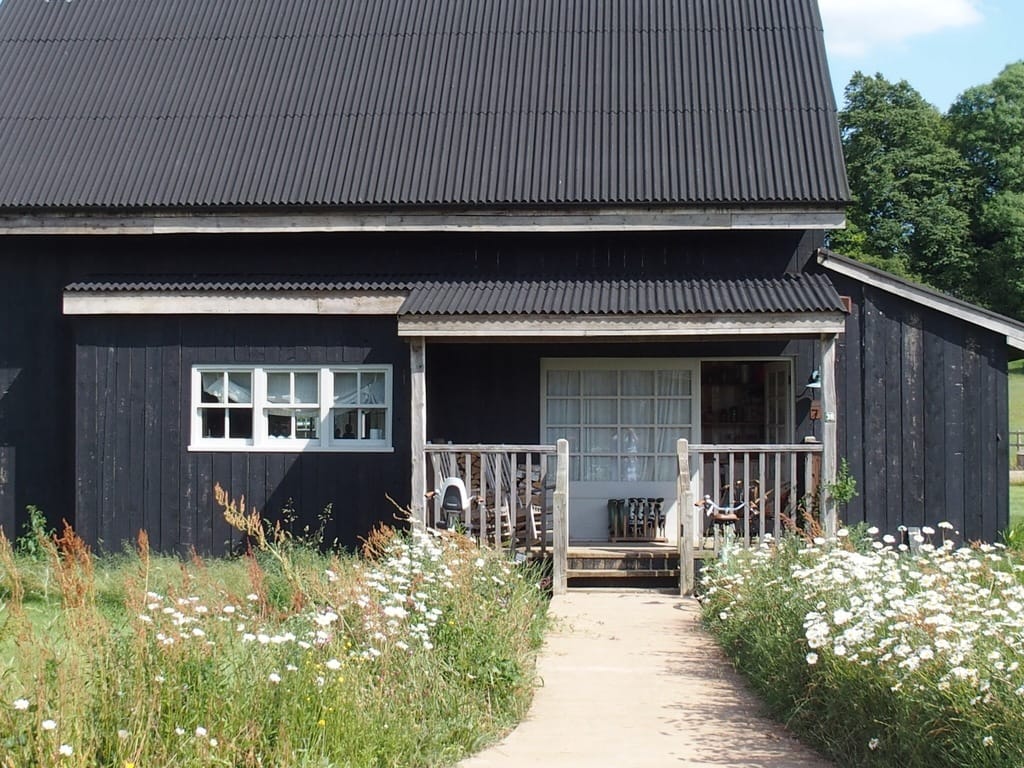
(1014, 332)
(232, 302)
(611, 326)
(608, 219)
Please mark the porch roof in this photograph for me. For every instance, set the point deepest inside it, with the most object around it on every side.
(788, 294)
(788, 306)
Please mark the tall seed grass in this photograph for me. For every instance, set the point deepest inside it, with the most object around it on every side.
(417, 652)
(878, 655)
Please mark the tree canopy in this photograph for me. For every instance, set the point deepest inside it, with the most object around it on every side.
(939, 198)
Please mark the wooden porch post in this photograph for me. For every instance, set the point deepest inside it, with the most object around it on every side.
(418, 427)
(561, 519)
(830, 432)
(684, 498)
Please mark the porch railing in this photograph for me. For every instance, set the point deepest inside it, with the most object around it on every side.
(749, 489)
(509, 492)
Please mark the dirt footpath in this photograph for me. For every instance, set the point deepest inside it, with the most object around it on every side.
(631, 680)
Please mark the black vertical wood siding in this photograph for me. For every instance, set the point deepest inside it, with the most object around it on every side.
(491, 393)
(36, 389)
(923, 415)
(135, 470)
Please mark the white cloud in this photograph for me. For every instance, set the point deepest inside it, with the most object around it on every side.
(853, 27)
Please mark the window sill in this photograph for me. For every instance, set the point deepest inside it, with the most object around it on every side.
(289, 448)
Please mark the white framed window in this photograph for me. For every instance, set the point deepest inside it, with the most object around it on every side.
(291, 408)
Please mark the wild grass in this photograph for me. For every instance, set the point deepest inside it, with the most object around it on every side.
(1016, 505)
(878, 655)
(416, 652)
(1015, 372)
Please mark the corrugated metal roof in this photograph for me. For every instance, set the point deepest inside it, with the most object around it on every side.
(308, 103)
(792, 293)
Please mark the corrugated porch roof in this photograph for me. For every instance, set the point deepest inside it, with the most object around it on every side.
(788, 294)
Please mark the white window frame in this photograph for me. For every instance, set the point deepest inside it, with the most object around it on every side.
(262, 442)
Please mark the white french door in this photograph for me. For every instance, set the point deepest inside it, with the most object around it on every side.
(778, 402)
(622, 418)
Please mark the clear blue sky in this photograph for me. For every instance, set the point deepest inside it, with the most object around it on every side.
(941, 47)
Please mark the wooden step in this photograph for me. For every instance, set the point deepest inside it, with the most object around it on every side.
(613, 573)
(623, 563)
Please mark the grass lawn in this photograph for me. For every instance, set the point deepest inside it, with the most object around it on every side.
(1016, 504)
(1016, 371)
(1016, 379)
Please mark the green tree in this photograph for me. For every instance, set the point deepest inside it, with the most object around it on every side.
(910, 187)
(987, 127)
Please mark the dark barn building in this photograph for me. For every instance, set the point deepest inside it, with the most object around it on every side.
(283, 245)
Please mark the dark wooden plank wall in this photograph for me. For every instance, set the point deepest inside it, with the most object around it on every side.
(492, 392)
(133, 397)
(923, 416)
(36, 395)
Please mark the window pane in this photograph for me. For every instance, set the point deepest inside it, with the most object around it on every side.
(572, 435)
(600, 441)
(600, 382)
(638, 382)
(213, 387)
(600, 468)
(563, 411)
(279, 423)
(240, 387)
(666, 438)
(213, 421)
(668, 468)
(636, 440)
(307, 425)
(279, 387)
(345, 423)
(240, 423)
(307, 387)
(674, 383)
(374, 424)
(600, 412)
(346, 388)
(563, 383)
(674, 411)
(636, 411)
(636, 468)
(372, 388)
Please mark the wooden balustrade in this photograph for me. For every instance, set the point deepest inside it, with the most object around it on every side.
(753, 488)
(509, 493)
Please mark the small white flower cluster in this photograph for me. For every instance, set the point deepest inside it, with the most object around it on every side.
(180, 619)
(402, 590)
